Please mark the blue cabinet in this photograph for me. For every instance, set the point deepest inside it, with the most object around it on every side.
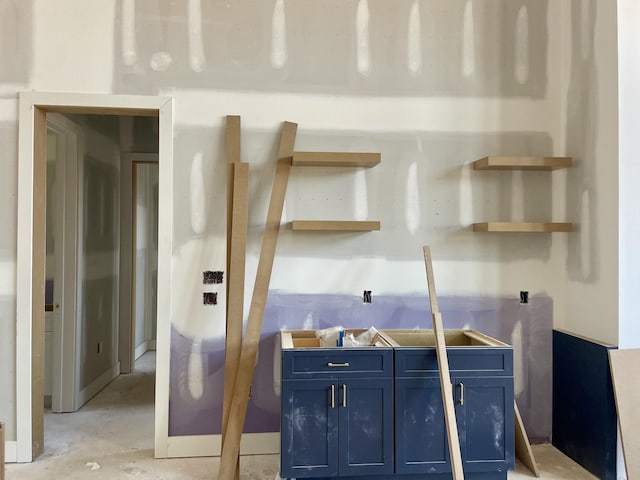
(338, 419)
(482, 382)
(378, 413)
(309, 429)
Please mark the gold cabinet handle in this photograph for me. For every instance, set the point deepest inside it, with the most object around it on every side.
(461, 393)
(331, 364)
(344, 396)
(333, 396)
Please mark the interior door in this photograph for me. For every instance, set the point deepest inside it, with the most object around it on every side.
(61, 263)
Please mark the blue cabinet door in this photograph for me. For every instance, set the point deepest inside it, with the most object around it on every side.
(309, 430)
(421, 435)
(366, 426)
(485, 418)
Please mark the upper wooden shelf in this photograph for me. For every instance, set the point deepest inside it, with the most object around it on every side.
(543, 227)
(335, 159)
(522, 163)
(335, 225)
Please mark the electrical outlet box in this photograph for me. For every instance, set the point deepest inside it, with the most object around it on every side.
(210, 298)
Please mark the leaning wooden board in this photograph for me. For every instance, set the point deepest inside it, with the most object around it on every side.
(233, 337)
(240, 397)
(235, 296)
(523, 447)
(624, 372)
(445, 377)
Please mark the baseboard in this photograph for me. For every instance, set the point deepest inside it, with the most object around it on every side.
(210, 445)
(98, 384)
(144, 347)
(141, 349)
(10, 451)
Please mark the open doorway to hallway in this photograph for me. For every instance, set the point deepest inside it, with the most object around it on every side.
(101, 266)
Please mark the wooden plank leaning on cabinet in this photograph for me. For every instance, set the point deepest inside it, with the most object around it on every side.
(445, 376)
(240, 397)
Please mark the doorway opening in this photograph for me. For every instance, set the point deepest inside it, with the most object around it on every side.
(97, 233)
(97, 280)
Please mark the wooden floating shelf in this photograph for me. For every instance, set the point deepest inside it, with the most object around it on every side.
(522, 227)
(335, 226)
(335, 159)
(522, 163)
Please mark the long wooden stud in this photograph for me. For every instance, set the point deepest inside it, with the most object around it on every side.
(240, 397)
(523, 447)
(235, 280)
(232, 137)
(445, 376)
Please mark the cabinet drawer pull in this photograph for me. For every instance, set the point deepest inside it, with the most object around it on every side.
(333, 396)
(344, 396)
(461, 393)
(330, 364)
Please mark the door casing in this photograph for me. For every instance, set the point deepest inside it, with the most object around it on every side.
(33, 109)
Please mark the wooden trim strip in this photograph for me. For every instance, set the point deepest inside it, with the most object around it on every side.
(235, 281)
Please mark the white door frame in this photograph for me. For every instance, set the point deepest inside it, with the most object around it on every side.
(30, 256)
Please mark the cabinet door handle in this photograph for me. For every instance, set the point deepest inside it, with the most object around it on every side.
(333, 396)
(344, 396)
(331, 364)
(461, 393)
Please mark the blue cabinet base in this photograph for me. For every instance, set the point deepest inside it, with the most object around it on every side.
(423, 476)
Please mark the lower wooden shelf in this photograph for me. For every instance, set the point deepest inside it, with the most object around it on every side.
(335, 225)
(505, 227)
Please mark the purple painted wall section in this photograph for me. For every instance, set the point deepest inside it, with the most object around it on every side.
(527, 327)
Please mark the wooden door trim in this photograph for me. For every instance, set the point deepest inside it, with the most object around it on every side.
(33, 107)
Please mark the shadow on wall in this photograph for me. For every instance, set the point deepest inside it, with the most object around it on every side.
(405, 47)
(195, 404)
(582, 129)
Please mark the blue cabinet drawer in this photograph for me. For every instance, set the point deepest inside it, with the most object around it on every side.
(475, 361)
(334, 362)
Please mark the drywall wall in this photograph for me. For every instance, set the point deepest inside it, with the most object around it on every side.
(8, 184)
(629, 170)
(591, 134)
(527, 327)
(99, 255)
(433, 86)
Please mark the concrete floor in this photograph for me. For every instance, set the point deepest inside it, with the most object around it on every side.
(111, 437)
